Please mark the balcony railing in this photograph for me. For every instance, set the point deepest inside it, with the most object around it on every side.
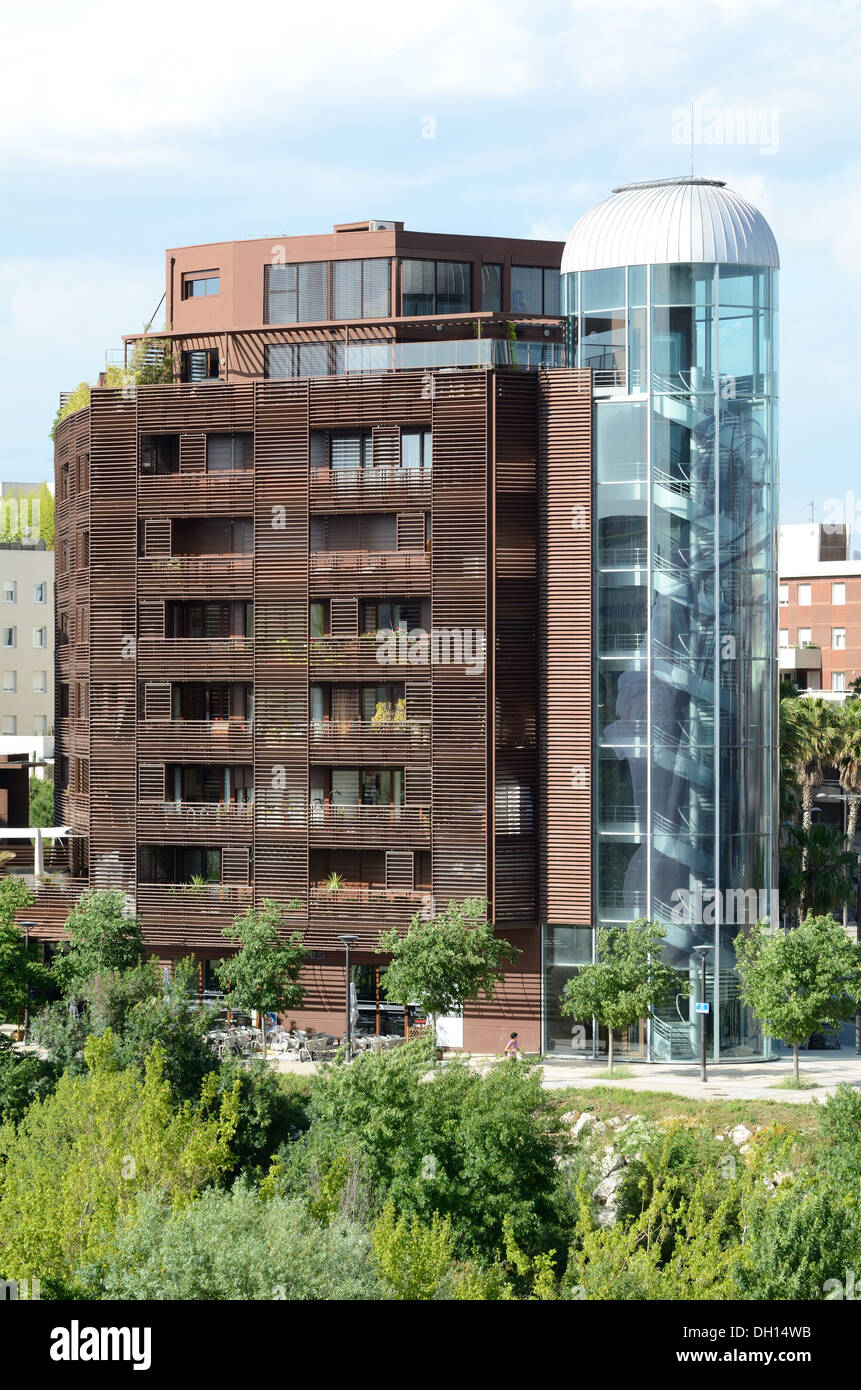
(184, 657)
(186, 738)
(346, 657)
(207, 822)
(183, 494)
(363, 907)
(336, 740)
(185, 905)
(369, 825)
(402, 567)
(353, 487)
(191, 573)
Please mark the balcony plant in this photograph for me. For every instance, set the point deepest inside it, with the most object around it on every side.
(334, 883)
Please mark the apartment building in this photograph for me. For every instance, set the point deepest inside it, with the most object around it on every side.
(819, 600)
(437, 574)
(26, 650)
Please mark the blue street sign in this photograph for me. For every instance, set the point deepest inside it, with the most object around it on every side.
(703, 1008)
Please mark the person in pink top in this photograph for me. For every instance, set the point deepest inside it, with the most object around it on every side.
(512, 1047)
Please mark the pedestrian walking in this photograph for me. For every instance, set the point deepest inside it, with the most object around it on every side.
(512, 1048)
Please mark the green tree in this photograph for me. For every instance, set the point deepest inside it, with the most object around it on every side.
(817, 871)
(101, 935)
(799, 981)
(152, 363)
(23, 1077)
(415, 1259)
(628, 979)
(78, 1159)
(236, 1245)
(808, 743)
(847, 758)
(41, 801)
(446, 961)
(265, 973)
(22, 977)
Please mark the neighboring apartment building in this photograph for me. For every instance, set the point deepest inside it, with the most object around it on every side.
(820, 608)
(383, 605)
(27, 650)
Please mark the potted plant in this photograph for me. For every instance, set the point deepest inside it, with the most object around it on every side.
(334, 883)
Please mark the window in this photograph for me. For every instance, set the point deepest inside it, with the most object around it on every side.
(350, 451)
(435, 287)
(40, 637)
(40, 725)
(362, 289)
(303, 359)
(416, 450)
(201, 364)
(10, 591)
(9, 637)
(10, 725)
(10, 682)
(159, 453)
(62, 629)
(804, 595)
(40, 682)
(491, 288)
(40, 593)
(804, 636)
(296, 293)
(534, 290)
(200, 284)
(838, 639)
(229, 453)
(783, 593)
(784, 637)
(838, 680)
(838, 593)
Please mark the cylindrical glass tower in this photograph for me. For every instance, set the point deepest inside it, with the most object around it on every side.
(670, 296)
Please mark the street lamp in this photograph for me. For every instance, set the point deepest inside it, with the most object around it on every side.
(26, 928)
(349, 939)
(703, 1011)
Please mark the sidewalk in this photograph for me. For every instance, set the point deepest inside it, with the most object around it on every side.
(726, 1081)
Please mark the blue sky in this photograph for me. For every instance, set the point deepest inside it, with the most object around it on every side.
(127, 130)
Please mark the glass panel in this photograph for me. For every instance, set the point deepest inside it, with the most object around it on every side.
(527, 289)
(602, 343)
(313, 294)
(602, 289)
(418, 287)
(313, 359)
(453, 287)
(551, 292)
(280, 302)
(491, 288)
(637, 320)
(280, 360)
(347, 281)
(376, 289)
(636, 285)
(683, 284)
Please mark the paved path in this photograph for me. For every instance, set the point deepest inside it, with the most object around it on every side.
(727, 1081)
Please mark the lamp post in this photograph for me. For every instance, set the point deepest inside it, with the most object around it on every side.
(349, 939)
(703, 1011)
(26, 928)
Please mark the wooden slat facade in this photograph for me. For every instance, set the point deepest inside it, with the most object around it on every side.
(511, 457)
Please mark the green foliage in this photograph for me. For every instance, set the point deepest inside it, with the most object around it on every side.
(238, 1245)
(446, 961)
(102, 935)
(23, 1077)
(265, 973)
(41, 801)
(145, 368)
(817, 872)
(63, 1033)
(799, 981)
(415, 1259)
(798, 1239)
(445, 1140)
(30, 525)
(271, 1112)
(78, 1159)
(22, 977)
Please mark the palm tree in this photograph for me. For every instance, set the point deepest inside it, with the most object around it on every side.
(817, 872)
(808, 740)
(847, 757)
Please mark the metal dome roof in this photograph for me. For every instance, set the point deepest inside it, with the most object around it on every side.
(667, 222)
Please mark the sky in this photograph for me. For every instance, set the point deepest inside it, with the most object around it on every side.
(125, 130)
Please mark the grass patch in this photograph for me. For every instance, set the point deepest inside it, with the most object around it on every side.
(607, 1101)
(789, 1083)
(617, 1074)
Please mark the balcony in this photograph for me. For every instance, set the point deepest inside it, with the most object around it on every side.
(349, 489)
(384, 827)
(198, 912)
(211, 740)
(389, 571)
(335, 741)
(196, 494)
(363, 910)
(195, 822)
(222, 658)
(806, 658)
(194, 576)
(349, 658)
